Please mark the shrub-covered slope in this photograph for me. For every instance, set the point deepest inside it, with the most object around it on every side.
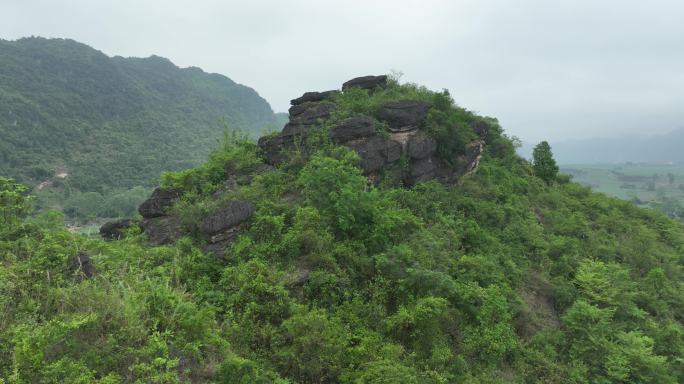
(111, 122)
(328, 272)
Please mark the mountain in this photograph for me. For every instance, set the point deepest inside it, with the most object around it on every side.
(384, 235)
(656, 149)
(110, 123)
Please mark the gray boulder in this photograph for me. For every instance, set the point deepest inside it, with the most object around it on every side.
(309, 97)
(421, 146)
(309, 114)
(422, 170)
(404, 115)
(81, 266)
(114, 230)
(157, 204)
(366, 82)
(272, 148)
(162, 230)
(352, 128)
(227, 217)
(375, 152)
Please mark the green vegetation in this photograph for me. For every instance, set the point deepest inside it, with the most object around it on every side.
(649, 185)
(74, 121)
(503, 278)
(543, 163)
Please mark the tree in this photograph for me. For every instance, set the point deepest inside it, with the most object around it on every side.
(544, 165)
(14, 202)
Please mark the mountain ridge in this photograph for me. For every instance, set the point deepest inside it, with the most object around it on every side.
(111, 123)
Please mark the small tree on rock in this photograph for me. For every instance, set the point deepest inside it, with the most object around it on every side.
(544, 165)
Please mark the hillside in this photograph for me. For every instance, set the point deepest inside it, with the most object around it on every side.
(385, 235)
(108, 124)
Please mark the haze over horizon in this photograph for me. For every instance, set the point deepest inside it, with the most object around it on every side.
(528, 63)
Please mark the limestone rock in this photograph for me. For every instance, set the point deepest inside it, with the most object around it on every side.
(227, 217)
(272, 148)
(421, 146)
(352, 128)
(375, 152)
(366, 82)
(473, 156)
(404, 115)
(162, 230)
(309, 114)
(422, 170)
(308, 97)
(157, 204)
(217, 249)
(81, 266)
(114, 230)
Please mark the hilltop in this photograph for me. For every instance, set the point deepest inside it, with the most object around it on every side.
(384, 235)
(109, 124)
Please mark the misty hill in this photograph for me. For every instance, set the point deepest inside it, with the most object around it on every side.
(384, 235)
(656, 148)
(111, 122)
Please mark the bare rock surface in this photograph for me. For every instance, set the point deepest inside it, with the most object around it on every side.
(157, 204)
(114, 230)
(366, 82)
(227, 217)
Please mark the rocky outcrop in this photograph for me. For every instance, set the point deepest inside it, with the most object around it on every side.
(114, 230)
(302, 118)
(390, 142)
(473, 156)
(366, 82)
(159, 227)
(404, 136)
(157, 204)
(404, 115)
(375, 152)
(222, 226)
(304, 115)
(421, 146)
(227, 217)
(162, 230)
(81, 266)
(352, 128)
(313, 97)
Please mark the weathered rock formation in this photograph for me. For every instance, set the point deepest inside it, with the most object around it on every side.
(222, 225)
(81, 266)
(366, 82)
(395, 132)
(157, 204)
(393, 139)
(404, 115)
(114, 230)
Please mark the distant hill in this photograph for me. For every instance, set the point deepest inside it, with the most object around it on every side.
(103, 122)
(657, 148)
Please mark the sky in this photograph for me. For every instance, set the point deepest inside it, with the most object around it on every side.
(547, 69)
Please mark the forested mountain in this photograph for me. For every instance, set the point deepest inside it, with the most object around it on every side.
(107, 123)
(385, 235)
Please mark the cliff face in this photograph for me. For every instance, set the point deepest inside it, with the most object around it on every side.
(395, 141)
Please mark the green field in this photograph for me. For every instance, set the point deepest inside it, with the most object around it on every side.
(654, 185)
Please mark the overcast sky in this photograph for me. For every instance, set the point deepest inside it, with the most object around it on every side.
(547, 69)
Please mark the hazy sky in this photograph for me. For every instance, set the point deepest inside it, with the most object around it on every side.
(548, 69)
